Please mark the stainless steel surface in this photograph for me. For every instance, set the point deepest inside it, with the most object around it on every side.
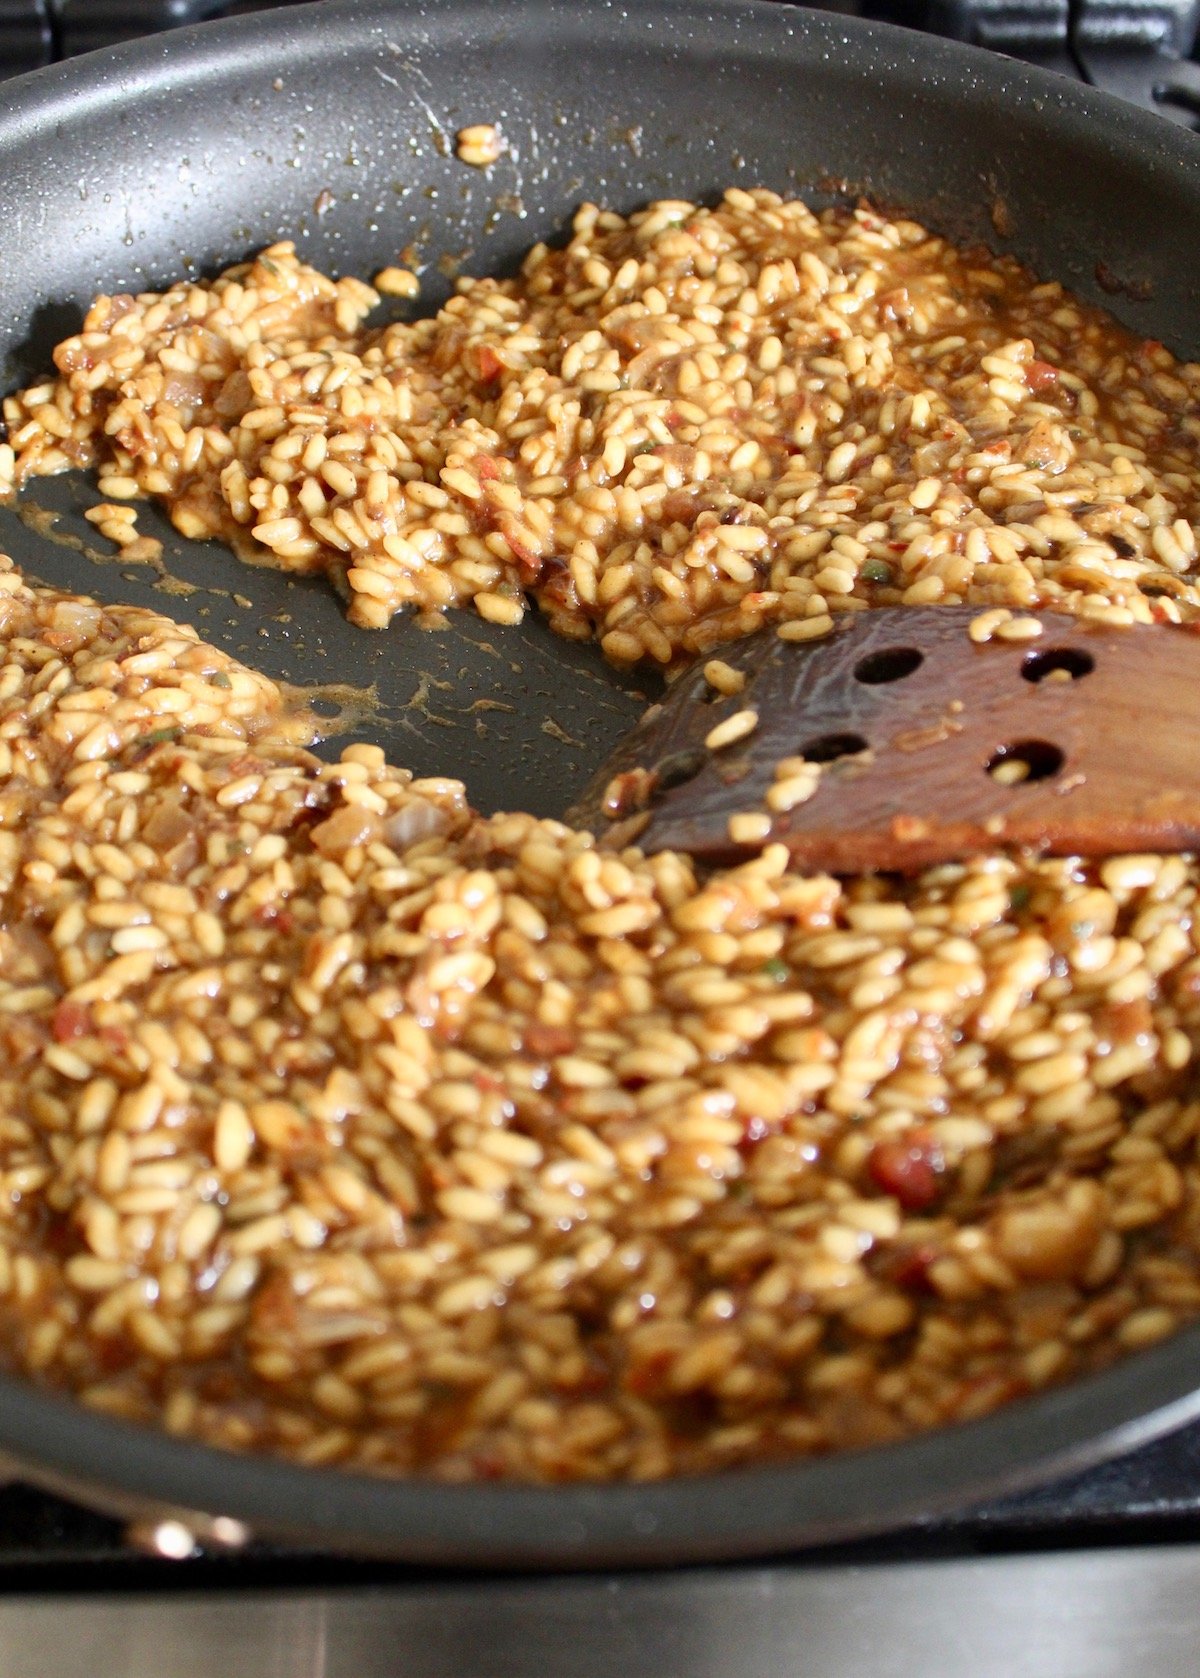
(1087, 1614)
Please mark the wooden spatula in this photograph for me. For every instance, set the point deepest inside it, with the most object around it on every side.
(897, 741)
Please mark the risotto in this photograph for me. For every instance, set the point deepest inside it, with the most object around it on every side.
(343, 1123)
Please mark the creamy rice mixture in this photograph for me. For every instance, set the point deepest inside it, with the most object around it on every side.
(340, 1122)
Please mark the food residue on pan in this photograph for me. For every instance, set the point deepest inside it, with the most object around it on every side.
(557, 732)
(46, 523)
(341, 707)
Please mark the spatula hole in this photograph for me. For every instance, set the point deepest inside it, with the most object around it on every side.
(828, 747)
(678, 769)
(1024, 760)
(1046, 661)
(889, 664)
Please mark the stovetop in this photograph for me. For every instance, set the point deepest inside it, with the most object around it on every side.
(1149, 1499)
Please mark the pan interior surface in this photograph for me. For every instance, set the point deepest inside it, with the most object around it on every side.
(334, 125)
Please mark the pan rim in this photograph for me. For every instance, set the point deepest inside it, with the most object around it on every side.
(771, 1509)
(206, 51)
(741, 1512)
(767, 1510)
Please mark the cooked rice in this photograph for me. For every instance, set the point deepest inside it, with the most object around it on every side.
(342, 1123)
(685, 424)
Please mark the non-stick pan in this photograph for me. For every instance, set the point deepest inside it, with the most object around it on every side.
(333, 124)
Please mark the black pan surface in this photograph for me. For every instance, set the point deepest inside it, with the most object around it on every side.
(334, 124)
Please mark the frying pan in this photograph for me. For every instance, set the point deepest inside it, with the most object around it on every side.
(333, 124)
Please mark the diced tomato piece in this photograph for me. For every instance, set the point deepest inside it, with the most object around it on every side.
(910, 1168)
(489, 363)
(281, 918)
(71, 1020)
(546, 1041)
(910, 1269)
(1040, 376)
(524, 556)
(647, 1378)
(1125, 1022)
(595, 1379)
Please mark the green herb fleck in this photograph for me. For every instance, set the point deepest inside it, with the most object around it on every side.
(776, 969)
(1019, 897)
(159, 736)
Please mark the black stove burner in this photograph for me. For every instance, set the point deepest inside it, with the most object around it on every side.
(1141, 49)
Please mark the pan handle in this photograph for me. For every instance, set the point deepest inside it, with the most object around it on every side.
(82, 25)
(26, 36)
(1137, 49)
(1141, 51)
